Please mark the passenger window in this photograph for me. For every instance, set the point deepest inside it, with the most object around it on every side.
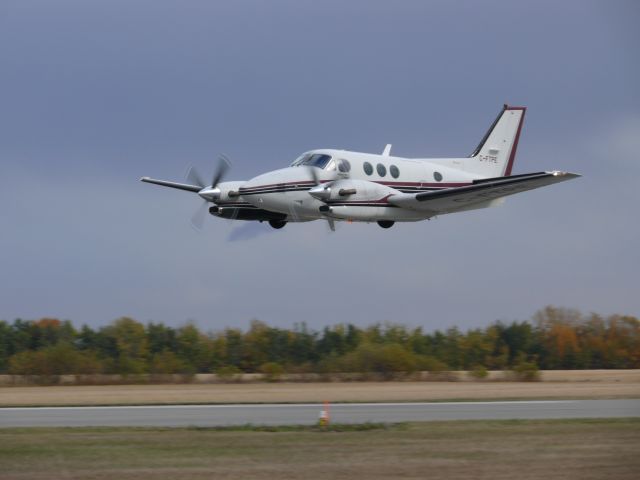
(382, 170)
(437, 176)
(368, 168)
(393, 170)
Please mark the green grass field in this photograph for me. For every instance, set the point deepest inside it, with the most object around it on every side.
(584, 449)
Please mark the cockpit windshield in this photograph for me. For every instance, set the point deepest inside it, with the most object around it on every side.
(319, 160)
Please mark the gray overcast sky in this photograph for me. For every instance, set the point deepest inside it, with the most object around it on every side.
(94, 95)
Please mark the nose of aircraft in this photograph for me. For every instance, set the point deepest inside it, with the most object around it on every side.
(276, 190)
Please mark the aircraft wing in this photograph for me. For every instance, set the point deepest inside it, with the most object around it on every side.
(479, 194)
(179, 186)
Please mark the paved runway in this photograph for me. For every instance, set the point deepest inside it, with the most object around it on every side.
(297, 414)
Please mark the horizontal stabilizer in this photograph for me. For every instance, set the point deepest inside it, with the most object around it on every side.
(480, 192)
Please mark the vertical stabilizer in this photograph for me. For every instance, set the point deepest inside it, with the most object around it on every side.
(495, 154)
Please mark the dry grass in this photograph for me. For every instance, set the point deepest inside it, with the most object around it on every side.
(551, 449)
(562, 384)
(615, 376)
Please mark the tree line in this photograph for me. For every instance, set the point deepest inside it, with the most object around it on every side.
(554, 338)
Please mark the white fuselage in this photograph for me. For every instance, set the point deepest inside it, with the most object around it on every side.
(374, 177)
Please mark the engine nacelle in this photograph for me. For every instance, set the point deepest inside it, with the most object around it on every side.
(346, 190)
(362, 201)
(357, 200)
(229, 204)
(228, 191)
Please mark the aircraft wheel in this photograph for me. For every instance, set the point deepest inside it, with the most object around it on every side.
(386, 223)
(277, 224)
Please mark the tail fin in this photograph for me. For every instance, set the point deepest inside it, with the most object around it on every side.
(495, 154)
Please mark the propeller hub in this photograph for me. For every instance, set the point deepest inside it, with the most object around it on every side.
(321, 192)
(210, 194)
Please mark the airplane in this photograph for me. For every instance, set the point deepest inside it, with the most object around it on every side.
(340, 185)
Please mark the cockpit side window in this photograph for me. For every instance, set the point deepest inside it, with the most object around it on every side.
(300, 160)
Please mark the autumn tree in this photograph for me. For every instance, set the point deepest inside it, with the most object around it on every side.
(129, 340)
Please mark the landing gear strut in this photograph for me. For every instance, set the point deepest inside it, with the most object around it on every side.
(386, 223)
(277, 224)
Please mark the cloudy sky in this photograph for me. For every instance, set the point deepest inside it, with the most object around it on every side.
(94, 95)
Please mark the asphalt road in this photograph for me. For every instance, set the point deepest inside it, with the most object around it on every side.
(297, 414)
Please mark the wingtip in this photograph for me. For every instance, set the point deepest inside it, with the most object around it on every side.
(567, 175)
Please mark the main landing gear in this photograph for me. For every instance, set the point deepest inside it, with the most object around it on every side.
(386, 223)
(277, 224)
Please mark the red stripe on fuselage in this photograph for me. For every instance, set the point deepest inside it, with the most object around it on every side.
(388, 184)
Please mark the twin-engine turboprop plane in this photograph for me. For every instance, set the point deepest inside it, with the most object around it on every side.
(338, 185)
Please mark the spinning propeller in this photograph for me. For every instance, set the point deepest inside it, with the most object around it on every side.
(208, 193)
(322, 192)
